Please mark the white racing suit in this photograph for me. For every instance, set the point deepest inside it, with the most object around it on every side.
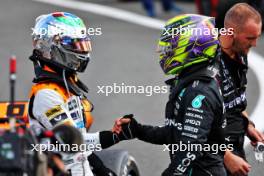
(50, 107)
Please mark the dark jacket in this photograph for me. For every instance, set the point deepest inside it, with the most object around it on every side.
(194, 115)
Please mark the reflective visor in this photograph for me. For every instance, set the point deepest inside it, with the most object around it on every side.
(79, 45)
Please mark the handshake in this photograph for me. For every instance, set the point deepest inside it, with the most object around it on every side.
(125, 128)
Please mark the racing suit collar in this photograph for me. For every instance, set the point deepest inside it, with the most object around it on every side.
(200, 72)
(46, 72)
(203, 71)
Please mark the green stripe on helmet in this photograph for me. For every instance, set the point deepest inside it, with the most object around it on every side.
(210, 51)
(74, 22)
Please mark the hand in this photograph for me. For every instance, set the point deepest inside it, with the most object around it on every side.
(117, 128)
(126, 127)
(254, 135)
(123, 129)
(236, 165)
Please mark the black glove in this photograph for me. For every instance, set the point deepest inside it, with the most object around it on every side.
(98, 167)
(129, 130)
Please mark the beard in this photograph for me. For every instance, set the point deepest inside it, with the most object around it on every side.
(239, 48)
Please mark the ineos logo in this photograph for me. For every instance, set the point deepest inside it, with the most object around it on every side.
(186, 162)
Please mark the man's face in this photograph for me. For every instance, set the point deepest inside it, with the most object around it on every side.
(246, 37)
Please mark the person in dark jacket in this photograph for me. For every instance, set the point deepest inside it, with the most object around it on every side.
(246, 24)
(195, 111)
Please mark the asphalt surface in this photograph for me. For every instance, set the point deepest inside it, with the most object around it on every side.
(124, 53)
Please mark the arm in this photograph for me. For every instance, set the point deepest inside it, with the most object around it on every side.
(155, 135)
(132, 129)
(235, 164)
(253, 134)
(50, 110)
(245, 114)
(128, 128)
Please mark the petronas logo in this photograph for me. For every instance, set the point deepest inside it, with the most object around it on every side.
(197, 101)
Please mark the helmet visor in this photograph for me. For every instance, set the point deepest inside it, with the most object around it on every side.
(76, 45)
(69, 60)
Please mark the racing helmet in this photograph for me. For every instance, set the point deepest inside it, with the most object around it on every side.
(63, 41)
(186, 40)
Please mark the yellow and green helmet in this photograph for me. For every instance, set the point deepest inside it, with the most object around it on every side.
(186, 40)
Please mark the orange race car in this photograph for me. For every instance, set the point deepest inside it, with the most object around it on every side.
(17, 110)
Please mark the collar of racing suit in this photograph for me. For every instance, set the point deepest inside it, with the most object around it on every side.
(203, 72)
(45, 72)
(75, 85)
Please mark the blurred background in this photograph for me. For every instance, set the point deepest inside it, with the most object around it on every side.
(124, 53)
